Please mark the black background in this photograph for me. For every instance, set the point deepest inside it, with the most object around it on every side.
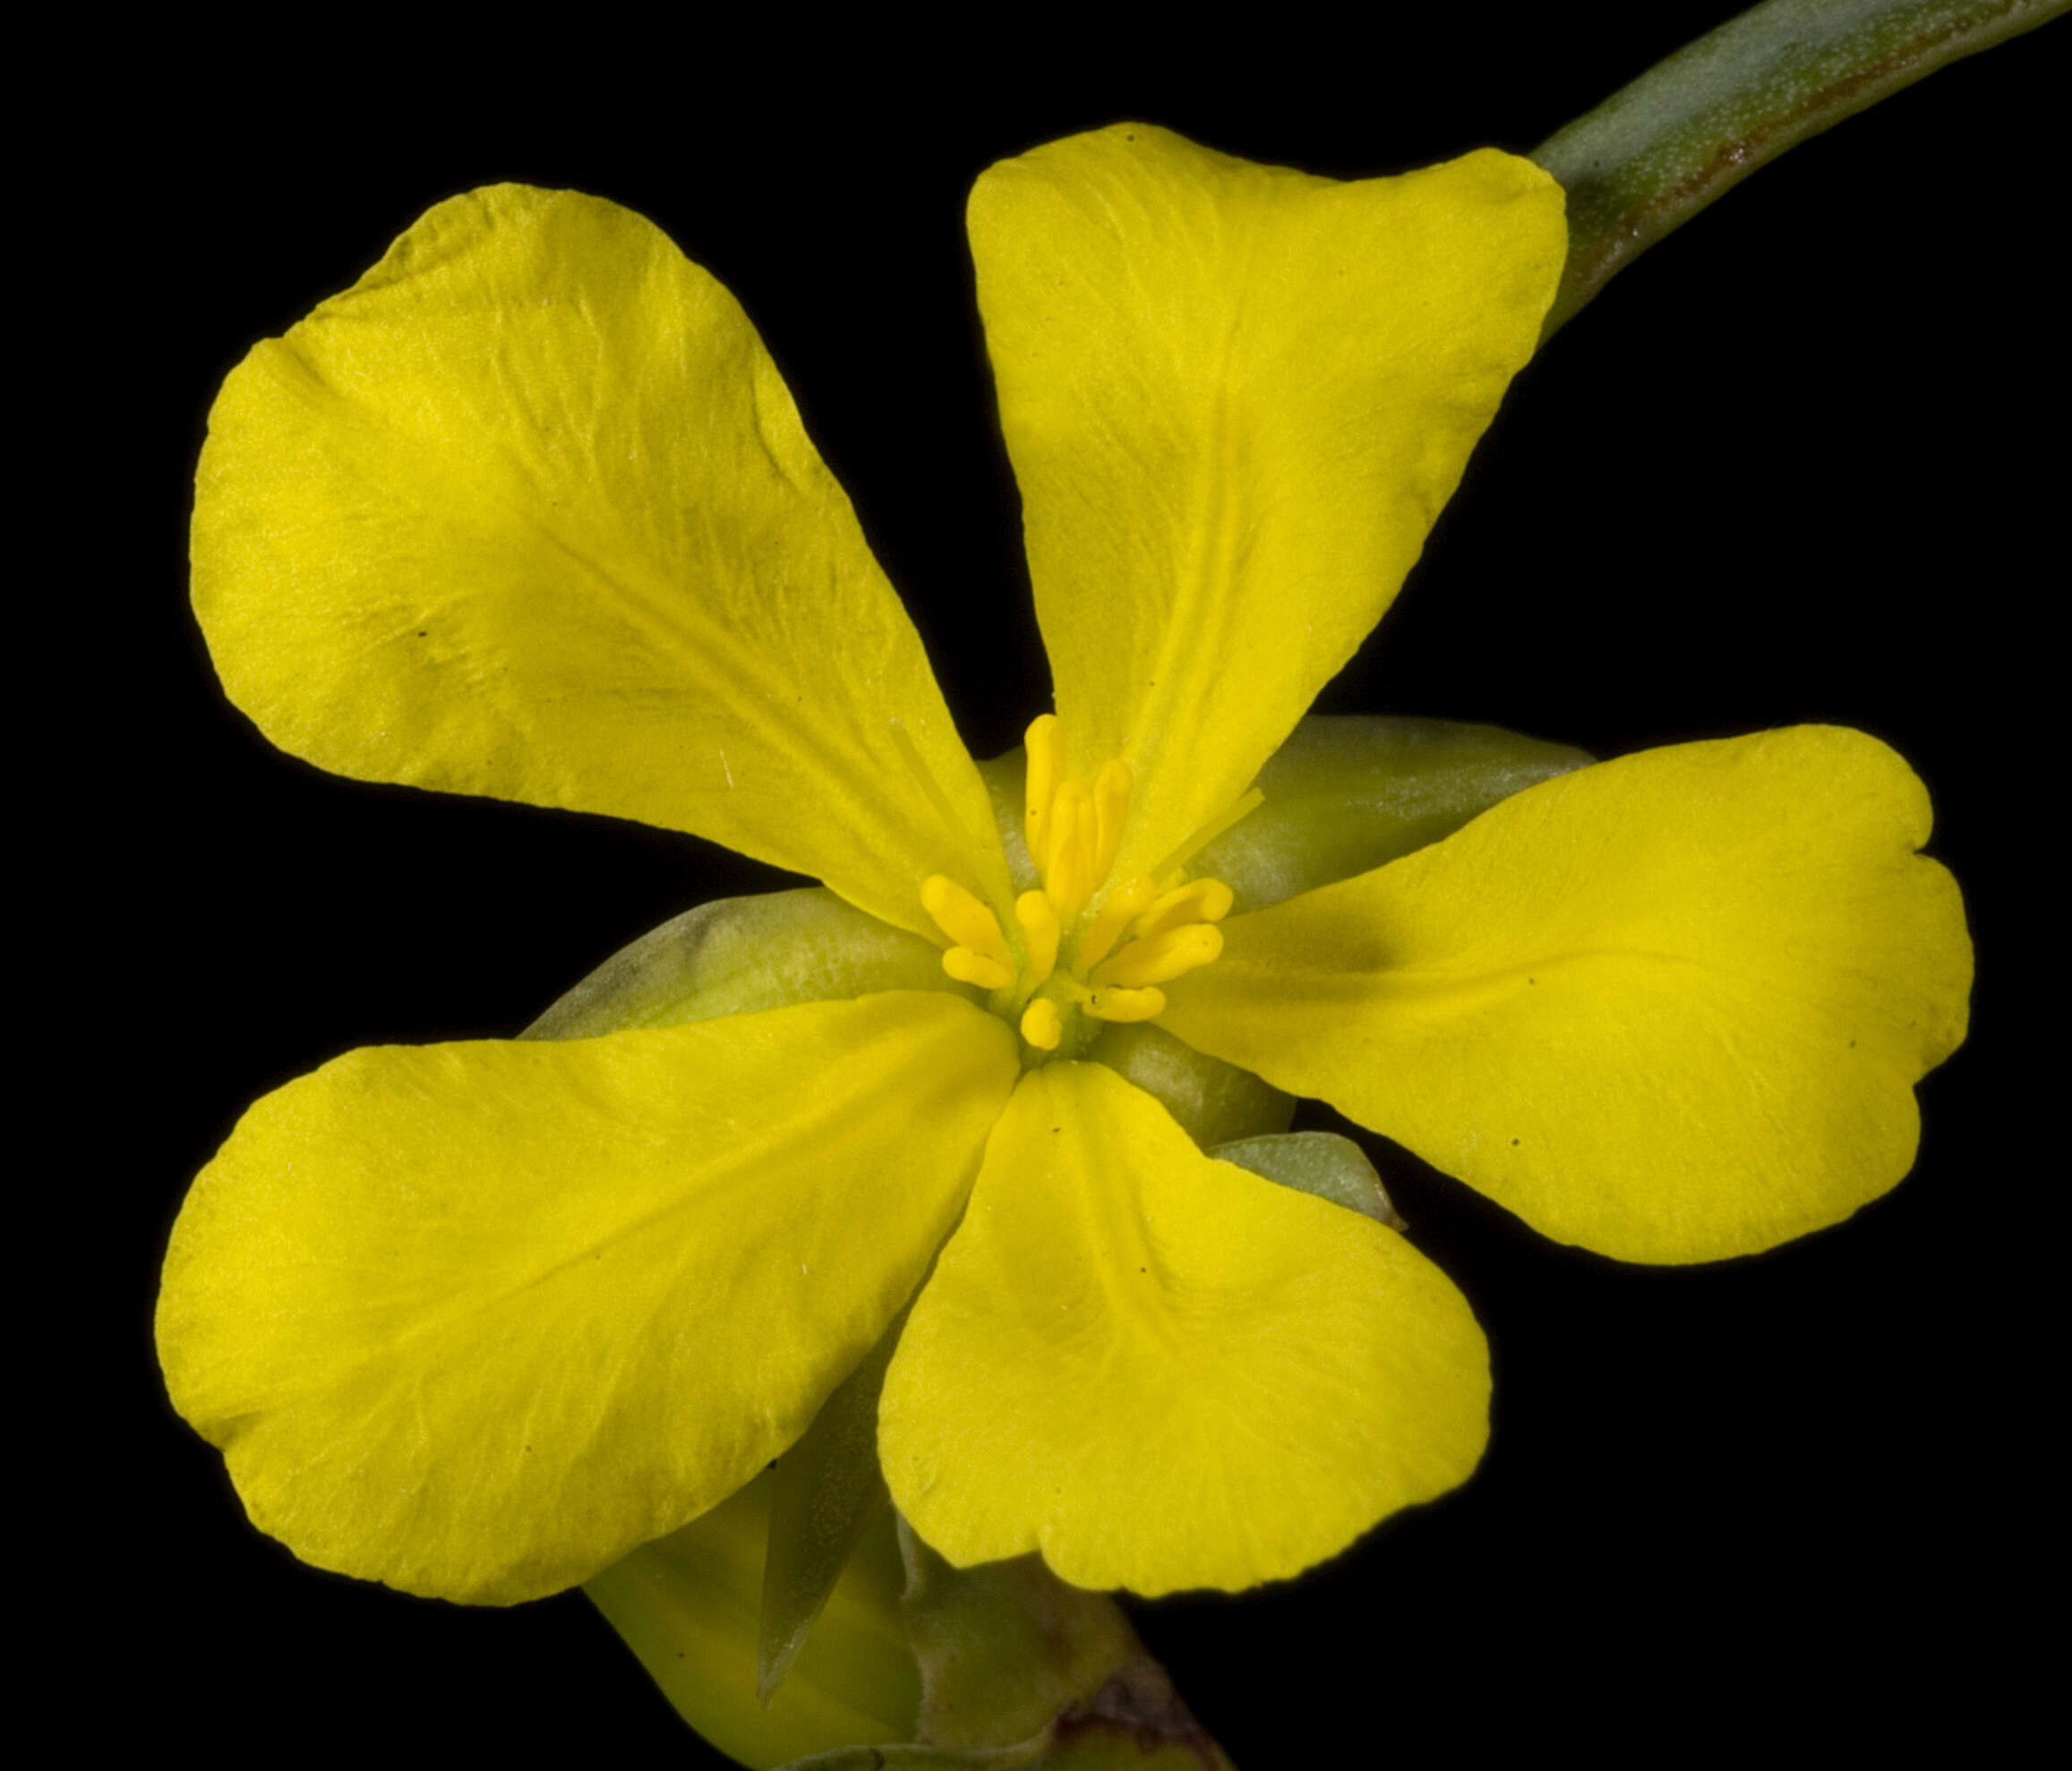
(1797, 464)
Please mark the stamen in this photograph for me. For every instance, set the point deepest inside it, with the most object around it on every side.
(1119, 1005)
(1162, 958)
(1041, 1025)
(1045, 743)
(1191, 845)
(1150, 927)
(1111, 791)
(1198, 901)
(969, 968)
(1038, 920)
(1125, 898)
(1068, 867)
(968, 922)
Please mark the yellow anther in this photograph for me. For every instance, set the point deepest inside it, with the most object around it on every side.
(1068, 873)
(1041, 1024)
(969, 968)
(1163, 957)
(1045, 743)
(1038, 920)
(1120, 1005)
(968, 922)
(1198, 901)
(1125, 899)
(1111, 791)
(1143, 932)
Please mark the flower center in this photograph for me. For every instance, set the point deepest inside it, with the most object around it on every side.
(1085, 948)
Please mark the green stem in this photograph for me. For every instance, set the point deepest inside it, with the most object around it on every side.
(1692, 128)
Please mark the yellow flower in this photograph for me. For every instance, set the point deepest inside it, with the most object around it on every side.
(528, 512)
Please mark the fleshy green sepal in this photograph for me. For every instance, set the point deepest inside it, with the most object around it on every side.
(1014, 1661)
(689, 1607)
(1322, 1163)
(1213, 1101)
(826, 1491)
(742, 955)
(1348, 793)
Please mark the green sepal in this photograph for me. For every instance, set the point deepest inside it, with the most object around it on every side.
(1014, 1661)
(1214, 1103)
(1323, 1163)
(688, 1605)
(1348, 793)
(741, 955)
(826, 1492)
(1004, 1646)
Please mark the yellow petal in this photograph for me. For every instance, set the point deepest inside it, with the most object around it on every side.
(529, 512)
(476, 1319)
(1670, 1007)
(1162, 1370)
(1236, 396)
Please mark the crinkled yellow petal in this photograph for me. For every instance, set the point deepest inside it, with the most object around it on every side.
(529, 512)
(476, 1319)
(1163, 1372)
(1236, 396)
(1670, 1007)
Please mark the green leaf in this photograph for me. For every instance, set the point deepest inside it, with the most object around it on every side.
(740, 956)
(1349, 794)
(1323, 1163)
(825, 1493)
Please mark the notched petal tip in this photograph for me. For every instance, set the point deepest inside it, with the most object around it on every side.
(477, 1320)
(1163, 1372)
(528, 512)
(1670, 1007)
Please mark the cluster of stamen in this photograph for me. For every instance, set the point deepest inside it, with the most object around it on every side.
(1082, 943)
